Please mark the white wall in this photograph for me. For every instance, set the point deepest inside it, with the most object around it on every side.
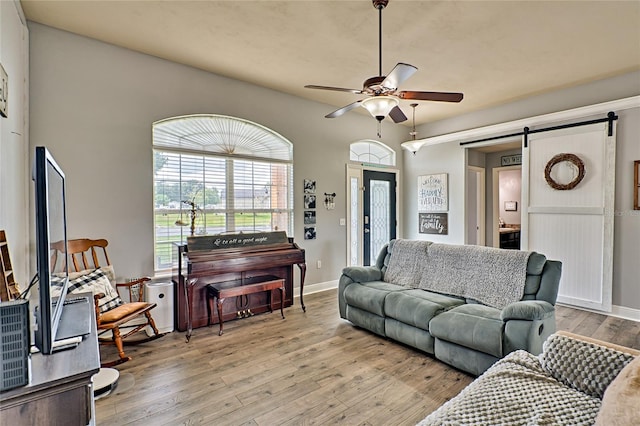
(448, 157)
(93, 104)
(443, 158)
(509, 185)
(14, 181)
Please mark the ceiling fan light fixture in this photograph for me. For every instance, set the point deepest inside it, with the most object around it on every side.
(380, 106)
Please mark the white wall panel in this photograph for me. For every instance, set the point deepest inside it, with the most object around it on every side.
(562, 237)
(587, 145)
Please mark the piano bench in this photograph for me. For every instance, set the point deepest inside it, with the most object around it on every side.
(218, 292)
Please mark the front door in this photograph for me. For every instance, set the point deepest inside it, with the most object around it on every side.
(379, 213)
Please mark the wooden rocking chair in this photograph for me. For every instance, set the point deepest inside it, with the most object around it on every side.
(84, 256)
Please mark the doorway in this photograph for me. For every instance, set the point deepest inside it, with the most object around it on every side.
(372, 209)
(379, 213)
(482, 212)
(476, 199)
(507, 207)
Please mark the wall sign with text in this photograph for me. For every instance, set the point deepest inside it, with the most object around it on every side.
(433, 194)
(433, 223)
(511, 160)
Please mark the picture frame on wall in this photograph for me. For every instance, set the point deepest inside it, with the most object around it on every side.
(433, 193)
(511, 206)
(309, 186)
(309, 201)
(309, 217)
(309, 232)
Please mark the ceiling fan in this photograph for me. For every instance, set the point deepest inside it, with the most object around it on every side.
(383, 94)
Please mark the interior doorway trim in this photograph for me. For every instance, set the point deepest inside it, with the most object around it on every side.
(481, 197)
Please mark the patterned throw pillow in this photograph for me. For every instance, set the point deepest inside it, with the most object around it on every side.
(96, 281)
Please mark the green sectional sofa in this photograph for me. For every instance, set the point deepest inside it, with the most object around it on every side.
(468, 306)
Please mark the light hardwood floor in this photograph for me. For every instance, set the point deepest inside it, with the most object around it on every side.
(311, 368)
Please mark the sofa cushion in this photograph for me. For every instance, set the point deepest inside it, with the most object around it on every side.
(366, 320)
(477, 327)
(370, 296)
(417, 307)
(409, 335)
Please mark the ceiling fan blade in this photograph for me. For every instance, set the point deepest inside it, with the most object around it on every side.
(398, 74)
(335, 89)
(344, 109)
(431, 96)
(397, 115)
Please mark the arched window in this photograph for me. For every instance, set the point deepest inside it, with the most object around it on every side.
(232, 174)
(372, 152)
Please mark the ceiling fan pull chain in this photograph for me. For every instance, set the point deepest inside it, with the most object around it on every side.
(379, 129)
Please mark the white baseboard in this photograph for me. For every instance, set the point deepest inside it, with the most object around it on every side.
(315, 288)
(623, 312)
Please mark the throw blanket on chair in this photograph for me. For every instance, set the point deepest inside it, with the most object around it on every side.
(407, 261)
(489, 275)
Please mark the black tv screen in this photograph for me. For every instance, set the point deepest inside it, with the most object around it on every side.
(51, 227)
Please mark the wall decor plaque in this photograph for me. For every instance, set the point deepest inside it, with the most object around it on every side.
(433, 193)
(511, 160)
(433, 223)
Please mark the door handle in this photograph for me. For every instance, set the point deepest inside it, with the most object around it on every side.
(366, 230)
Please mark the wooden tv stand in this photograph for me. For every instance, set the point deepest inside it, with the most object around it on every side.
(60, 391)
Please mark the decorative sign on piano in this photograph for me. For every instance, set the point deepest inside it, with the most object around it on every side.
(239, 240)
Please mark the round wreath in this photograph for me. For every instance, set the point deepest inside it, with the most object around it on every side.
(573, 159)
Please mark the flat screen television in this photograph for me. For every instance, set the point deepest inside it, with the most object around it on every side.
(51, 226)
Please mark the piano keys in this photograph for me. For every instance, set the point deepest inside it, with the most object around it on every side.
(228, 257)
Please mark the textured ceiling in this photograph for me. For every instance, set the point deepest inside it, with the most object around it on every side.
(492, 51)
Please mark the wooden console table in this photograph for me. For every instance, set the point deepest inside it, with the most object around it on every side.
(60, 391)
(220, 291)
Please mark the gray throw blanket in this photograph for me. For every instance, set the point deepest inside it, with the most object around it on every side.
(408, 259)
(489, 275)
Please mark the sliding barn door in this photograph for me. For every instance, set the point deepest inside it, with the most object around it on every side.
(573, 225)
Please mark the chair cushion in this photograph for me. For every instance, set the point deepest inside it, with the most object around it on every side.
(476, 327)
(122, 311)
(417, 307)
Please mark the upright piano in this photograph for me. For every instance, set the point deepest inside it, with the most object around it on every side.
(238, 257)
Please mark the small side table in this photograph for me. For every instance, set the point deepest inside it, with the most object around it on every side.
(218, 292)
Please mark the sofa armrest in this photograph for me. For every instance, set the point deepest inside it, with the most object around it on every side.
(531, 310)
(362, 274)
(351, 275)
